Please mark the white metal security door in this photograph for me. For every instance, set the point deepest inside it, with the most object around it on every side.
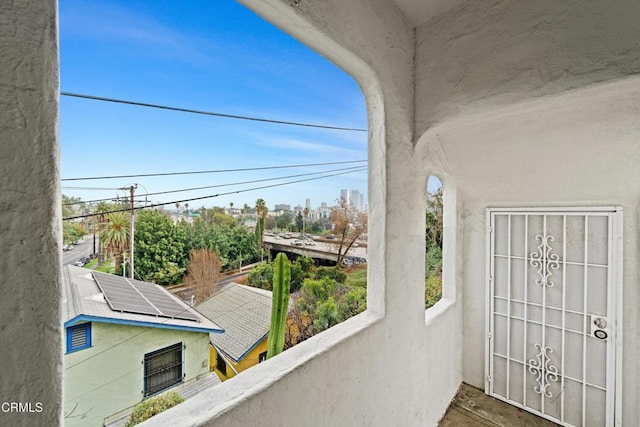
(552, 282)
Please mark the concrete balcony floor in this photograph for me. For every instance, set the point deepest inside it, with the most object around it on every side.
(471, 407)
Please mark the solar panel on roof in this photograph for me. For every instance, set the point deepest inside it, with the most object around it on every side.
(121, 296)
(135, 296)
(163, 301)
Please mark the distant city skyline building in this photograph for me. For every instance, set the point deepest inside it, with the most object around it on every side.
(353, 198)
(307, 203)
(344, 196)
(282, 207)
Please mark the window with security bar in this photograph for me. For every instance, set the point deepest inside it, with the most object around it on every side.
(162, 369)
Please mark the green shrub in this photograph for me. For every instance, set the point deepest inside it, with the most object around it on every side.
(432, 289)
(153, 406)
(353, 302)
(261, 276)
(357, 277)
(335, 273)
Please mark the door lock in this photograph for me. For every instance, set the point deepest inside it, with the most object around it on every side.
(599, 327)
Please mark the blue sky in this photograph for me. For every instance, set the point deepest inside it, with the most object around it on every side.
(205, 55)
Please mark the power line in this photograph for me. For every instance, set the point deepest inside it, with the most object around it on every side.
(215, 186)
(91, 188)
(216, 195)
(212, 171)
(209, 113)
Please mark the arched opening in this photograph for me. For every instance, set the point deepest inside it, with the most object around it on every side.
(154, 106)
(434, 234)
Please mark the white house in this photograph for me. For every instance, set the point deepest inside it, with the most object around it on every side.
(529, 114)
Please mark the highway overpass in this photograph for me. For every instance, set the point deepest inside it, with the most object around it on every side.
(322, 251)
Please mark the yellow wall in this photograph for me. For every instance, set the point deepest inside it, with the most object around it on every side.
(249, 360)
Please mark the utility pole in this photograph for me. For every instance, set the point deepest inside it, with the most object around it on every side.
(132, 190)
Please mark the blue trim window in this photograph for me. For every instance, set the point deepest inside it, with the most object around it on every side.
(78, 337)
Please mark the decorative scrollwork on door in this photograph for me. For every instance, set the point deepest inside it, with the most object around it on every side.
(544, 261)
(544, 371)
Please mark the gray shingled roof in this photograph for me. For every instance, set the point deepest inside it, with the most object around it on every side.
(243, 312)
(82, 300)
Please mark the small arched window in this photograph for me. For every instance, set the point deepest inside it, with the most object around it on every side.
(434, 216)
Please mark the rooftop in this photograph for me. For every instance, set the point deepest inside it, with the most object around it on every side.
(243, 312)
(82, 299)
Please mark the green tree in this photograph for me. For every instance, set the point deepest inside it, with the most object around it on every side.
(72, 231)
(316, 227)
(114, 236)
(283, 221)
(242, 243)
(159, 248)
(279, 305)
(229, 241)
(216, 216)
(299, 221)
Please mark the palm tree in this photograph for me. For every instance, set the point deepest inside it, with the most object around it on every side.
(261, 212)
(101, 208)
(114, 235)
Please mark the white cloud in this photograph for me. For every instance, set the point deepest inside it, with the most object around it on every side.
(112, 23)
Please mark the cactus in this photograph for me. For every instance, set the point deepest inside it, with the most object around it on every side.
(279, 305)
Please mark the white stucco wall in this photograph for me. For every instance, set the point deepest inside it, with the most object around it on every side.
(30, 229)
(576, 149)
(108, 377)
(485, 53)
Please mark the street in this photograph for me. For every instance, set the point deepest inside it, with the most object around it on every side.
(82, 250)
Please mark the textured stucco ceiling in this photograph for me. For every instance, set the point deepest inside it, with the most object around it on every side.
(420, 11)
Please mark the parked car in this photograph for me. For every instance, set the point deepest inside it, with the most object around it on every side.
(67, 248)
